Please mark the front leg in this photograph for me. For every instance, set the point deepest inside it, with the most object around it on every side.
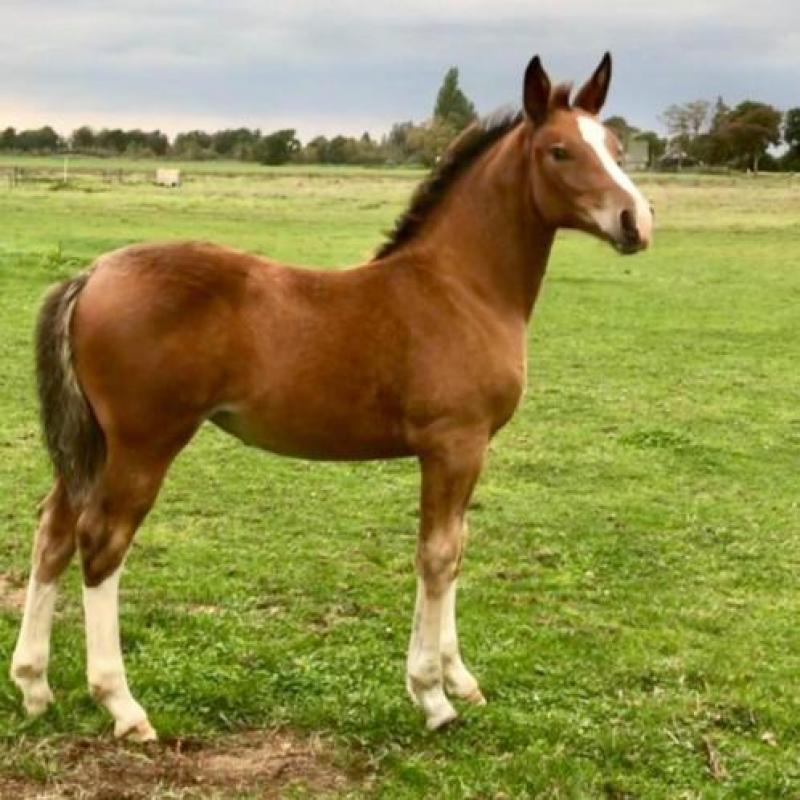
(449, 473)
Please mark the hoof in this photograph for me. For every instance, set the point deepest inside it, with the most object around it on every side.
(142, 731)
(36, 694)
(475, 697)
(441, 719)
(38, 701)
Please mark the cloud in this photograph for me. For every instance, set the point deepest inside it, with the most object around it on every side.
(352, 64)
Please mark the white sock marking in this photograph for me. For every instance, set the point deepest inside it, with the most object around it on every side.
(424, 666)
(457, 677)
(105, 668)
(32, 653)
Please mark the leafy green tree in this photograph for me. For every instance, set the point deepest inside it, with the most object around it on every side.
(241, 143)
(622, 130)
(315, 151)
(82, 139)
(342, 150)
(791, 128)
(751, 128)
(38, 140)
(452, 105)
(193, 145)
(157, 143)
(427, 143)
(277, 147)
(8, 139)
(112, 140)
(791, 135)
(719, 116)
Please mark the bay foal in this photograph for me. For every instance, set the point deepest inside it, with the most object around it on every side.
(420, 352)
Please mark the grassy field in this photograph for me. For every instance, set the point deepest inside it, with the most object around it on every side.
(631, 593)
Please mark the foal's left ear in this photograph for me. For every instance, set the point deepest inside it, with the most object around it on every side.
(593, 93)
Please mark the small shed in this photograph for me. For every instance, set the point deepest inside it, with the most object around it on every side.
(168, 177)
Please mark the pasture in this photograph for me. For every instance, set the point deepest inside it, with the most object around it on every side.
(631, 592)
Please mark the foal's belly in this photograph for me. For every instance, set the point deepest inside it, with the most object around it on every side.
(301, 434)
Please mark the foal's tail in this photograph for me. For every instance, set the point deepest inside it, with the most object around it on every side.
(72, 434)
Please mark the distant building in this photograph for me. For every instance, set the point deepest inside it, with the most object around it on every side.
(637, 154)
(168, 177)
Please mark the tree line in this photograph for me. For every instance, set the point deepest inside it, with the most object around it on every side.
(699, 133)
(716, 135)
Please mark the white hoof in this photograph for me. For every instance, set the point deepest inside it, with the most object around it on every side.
(141, 731)
(469, 693)
(37, 700)
(441, 717)
(35, 690)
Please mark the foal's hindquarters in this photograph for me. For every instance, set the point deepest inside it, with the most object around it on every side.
(149, 375)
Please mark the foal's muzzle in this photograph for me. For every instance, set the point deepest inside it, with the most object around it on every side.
(630, 239)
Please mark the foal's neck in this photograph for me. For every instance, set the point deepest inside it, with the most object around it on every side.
(488, 232)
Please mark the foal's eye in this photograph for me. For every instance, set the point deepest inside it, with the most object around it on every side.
(560, 153)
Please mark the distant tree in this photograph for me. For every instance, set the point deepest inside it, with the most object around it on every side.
(397, 151)
(369, 151)
(342, 150)
(277, 147)
(751, 128)
(427, 143)
(696, 114)
(193, 145)
(791, 135)
(315, 151)
(82, 139)
(685, 123)
(8, 139)
(719, 116)
(679, 126)
(452, 105)
(157, 143)
(791, 129)
(622, 129)
(241, 143)
(39, 140)
(112, 140)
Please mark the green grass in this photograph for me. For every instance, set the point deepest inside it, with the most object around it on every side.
(630, 595)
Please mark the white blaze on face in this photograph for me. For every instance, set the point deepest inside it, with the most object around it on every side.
(594, 134)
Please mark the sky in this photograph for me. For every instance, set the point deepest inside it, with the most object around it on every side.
(346, 66)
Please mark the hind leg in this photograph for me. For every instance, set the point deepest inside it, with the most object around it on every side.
(124, 494)
(53, 549)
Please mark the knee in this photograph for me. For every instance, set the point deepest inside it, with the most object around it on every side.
(437, 560)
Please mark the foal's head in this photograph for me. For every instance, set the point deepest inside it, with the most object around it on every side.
(577, 178)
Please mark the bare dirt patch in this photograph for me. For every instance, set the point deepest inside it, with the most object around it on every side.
(256, 764)
(12, 591)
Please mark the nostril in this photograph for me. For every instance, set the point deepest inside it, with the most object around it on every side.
(629, 230)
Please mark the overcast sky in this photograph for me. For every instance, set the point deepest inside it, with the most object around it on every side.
(354, 65)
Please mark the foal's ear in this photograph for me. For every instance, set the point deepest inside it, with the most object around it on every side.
(593, 93)
(536, 91)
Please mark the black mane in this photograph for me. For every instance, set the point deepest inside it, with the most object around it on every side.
(463, 152)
